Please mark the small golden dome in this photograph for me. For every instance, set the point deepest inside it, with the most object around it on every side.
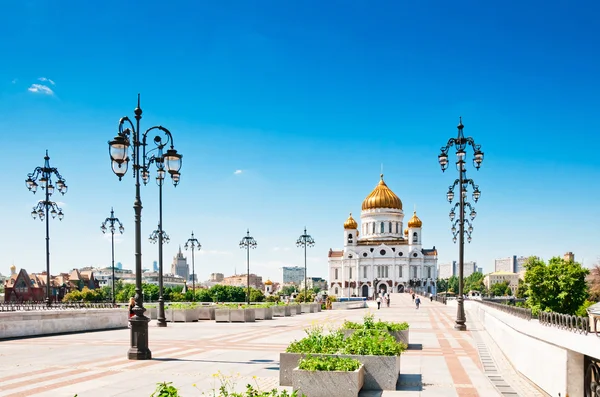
(13, 268)
(406, 232)
(415, 221)
(381, 197)
(350, 223)
(268, 282)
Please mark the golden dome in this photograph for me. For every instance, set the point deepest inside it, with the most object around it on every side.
(350, 223)
(406, 232)
(415, 221)
(382, 197)
(268, 282)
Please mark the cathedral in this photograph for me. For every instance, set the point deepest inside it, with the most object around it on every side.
(381, 253)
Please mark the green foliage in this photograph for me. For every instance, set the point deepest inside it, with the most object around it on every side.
(442, 285)
(521, 292)
(594, 283)
(272, 298)
(288, 290)
(328, 363)
(453, 284)
(86, 295)
(227, 293)
(582, 311)
(370, 323)
(165, 389)
(256, 295)
(203, 295)
(499, 289)
(310, 298)
(366, 342)
(558, 286)
(473, 283)
(317, 342)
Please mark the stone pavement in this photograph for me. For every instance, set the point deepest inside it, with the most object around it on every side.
(198, 357)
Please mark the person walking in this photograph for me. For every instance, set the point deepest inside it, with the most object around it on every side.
(131, 306)
(431, 297)
(387, 301)
(378, 303)
(413, 296)
(418, 302)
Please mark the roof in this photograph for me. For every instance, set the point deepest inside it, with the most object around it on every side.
(503, 274)
(396, 241)
(429, 252)
(335, 254)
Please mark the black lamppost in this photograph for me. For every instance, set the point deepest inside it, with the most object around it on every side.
(193, 244)
(159, 236)
(111, 221)
(460, 143)
(375, 292)
(119, 155)
(305, 240)
(247, 243)
(45, 207)
(158, 159)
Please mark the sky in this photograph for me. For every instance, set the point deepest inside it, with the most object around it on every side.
(286, 112)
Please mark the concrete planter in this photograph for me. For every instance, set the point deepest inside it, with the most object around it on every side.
(263, 313)
(242, 315)
(222, 315)
(381, 372)
(400, 336)
(152, 312)
(281, 311)
(185, 315)
(206, 313)
(328, 383)
(319, 308)
(297, 308)
(306, 308)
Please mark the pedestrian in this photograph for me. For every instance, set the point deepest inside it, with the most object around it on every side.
(387, 301)
(131, 306)
(431, 297)
(418, 302)
(413, 296)
(378, 303)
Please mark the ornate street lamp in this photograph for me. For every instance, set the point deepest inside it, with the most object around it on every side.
(110, 222)
(458, 226)
(193, 244)
(304, 241)
(131, 137)
(247, 243)
(157, 157)
(46, 207)
(159, 236)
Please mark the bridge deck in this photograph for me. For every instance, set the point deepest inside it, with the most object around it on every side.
(439, 362)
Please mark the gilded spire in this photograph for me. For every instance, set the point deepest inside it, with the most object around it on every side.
(350, 223)
(415, 221)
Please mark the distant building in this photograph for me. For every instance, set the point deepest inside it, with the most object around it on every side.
(241, 280)
(180, 266)
(293, 275)
(498, 277)
(169, 280)
(445, 270)
(155, 266)
(569, 257)
(313, 282)
(216, 277)
(119, 266)
(511, 264)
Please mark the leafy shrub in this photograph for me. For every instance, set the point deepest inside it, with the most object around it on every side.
(328, 363)
(582, 311)
(369, 323)
(165, 389)
(372, 343)
(272, 298)
(317, 342)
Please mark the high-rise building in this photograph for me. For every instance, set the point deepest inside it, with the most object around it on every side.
(155, 266)
(179, 266)
(241, 280)
(119, 266)
(445, 270)
(293, 275)
(511, 264)
(216, 277)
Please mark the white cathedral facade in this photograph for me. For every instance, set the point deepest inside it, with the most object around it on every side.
(381, 255)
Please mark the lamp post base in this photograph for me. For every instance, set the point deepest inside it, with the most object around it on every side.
(460, 326)
(139, 339)
(161, 321)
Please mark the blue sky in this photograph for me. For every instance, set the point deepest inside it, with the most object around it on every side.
(307, 99)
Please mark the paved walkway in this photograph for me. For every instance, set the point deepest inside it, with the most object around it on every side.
(440, 361)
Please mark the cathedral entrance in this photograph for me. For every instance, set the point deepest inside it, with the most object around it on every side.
(401, 288)
(365, 291)
(383, 288)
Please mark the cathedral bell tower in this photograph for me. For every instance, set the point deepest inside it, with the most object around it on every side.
(414, 231)
(350, 233)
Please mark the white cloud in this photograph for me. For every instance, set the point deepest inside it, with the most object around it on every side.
(46, 80)
(40, 89)
(237, 172)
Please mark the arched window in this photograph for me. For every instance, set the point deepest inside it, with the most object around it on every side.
(415, 237)
(373, 227)
(396, 227)
(382, 228)
(349, 238)
(336, 290)
(390, 228)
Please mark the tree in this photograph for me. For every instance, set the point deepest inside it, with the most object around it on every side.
(453, 284)
(203, 295)
(508, 291)
(288, 290)
(256, 295)
(521, 292)
(499, 289)
(559, 286)
(474, 282)
(442, 285)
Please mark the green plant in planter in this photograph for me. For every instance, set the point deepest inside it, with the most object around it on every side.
(328, 363)
(369, 323)
(165, 389)
(317, 342)
(372, 343)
